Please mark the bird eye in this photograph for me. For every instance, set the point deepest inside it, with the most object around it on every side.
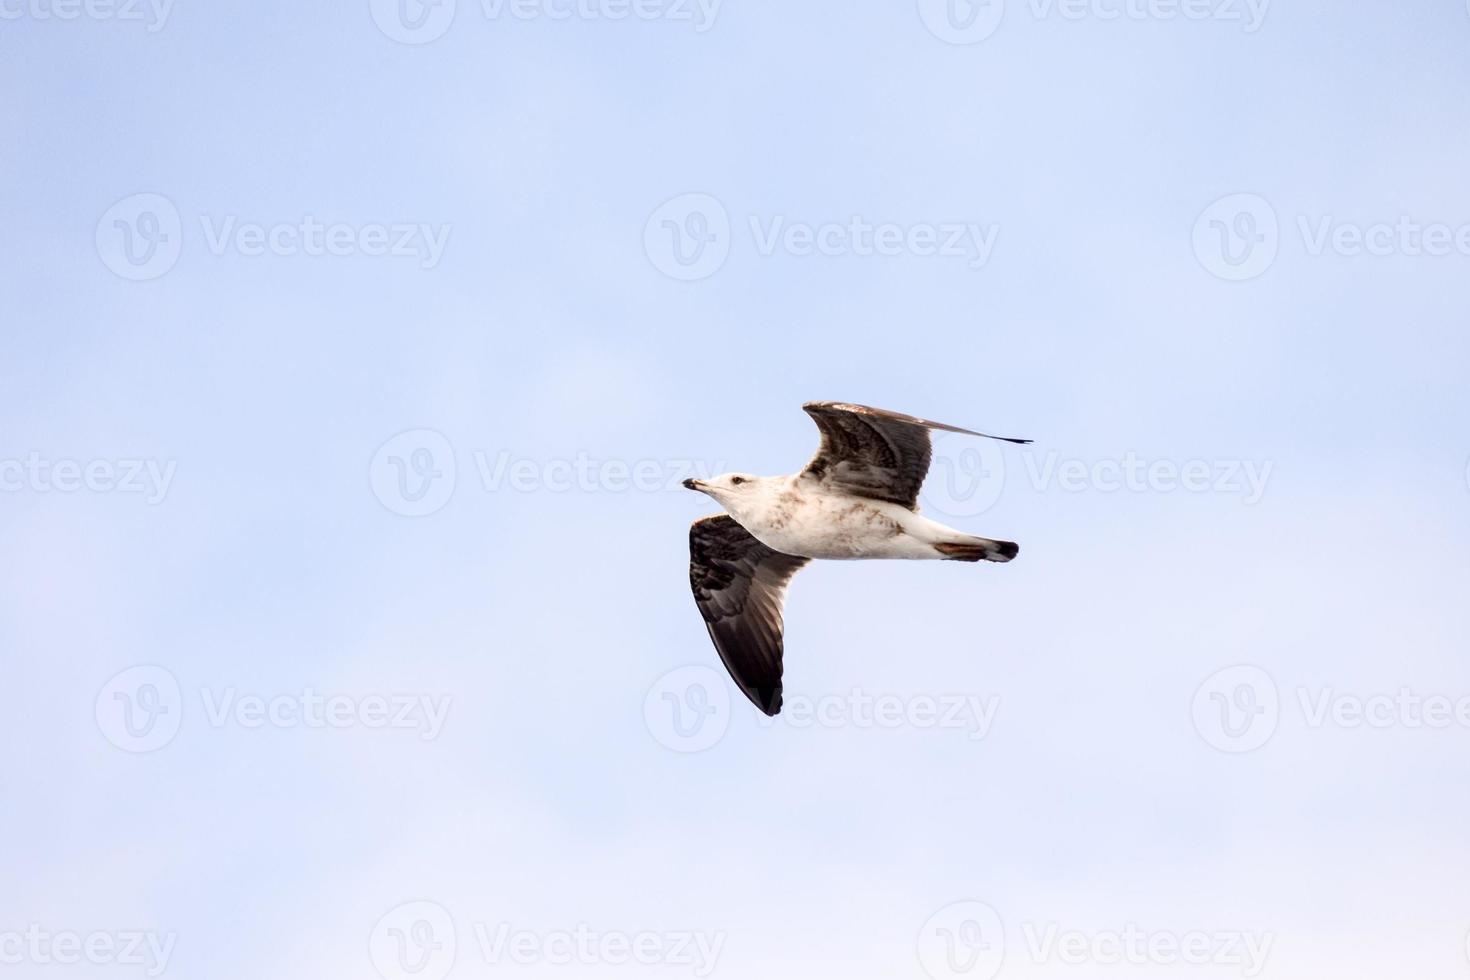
(737, 480)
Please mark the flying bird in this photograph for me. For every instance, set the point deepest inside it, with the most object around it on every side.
(857, 498)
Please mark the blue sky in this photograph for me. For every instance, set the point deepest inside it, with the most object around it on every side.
(379, 416)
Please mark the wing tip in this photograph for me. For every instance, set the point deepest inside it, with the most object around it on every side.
(770, 706)
(902, 417)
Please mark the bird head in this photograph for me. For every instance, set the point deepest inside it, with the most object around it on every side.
(733, 490)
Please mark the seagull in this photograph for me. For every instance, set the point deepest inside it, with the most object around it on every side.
(857, 498)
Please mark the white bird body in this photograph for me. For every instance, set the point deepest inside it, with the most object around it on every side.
(797, 515)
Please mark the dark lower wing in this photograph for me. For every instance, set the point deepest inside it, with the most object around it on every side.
(739, 585)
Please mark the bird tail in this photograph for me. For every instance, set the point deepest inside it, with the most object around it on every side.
(977, 549)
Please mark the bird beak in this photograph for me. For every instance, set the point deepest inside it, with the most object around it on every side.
(693, 484)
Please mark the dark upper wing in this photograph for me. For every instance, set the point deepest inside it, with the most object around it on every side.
(872, 453)
(738, 585)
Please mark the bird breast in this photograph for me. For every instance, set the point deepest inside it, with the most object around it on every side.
(824, 526)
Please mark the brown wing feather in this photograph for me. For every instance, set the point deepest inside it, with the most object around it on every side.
(870, 452)
(738, 585)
